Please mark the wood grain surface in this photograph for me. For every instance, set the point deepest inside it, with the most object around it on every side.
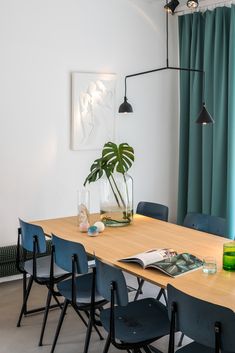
(147, 233)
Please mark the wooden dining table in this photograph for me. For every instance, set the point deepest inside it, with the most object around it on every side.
(147, 233)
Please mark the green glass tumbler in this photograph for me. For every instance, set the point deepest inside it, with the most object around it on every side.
(229, 256)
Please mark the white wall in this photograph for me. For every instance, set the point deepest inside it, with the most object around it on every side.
(41, 43)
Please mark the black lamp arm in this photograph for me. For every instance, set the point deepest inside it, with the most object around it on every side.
(143, 73)
(170, 68)
(204, 116)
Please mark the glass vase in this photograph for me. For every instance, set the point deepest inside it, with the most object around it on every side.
(83, 209)
(116, 200)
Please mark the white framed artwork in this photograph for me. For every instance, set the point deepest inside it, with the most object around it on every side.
(93, 104)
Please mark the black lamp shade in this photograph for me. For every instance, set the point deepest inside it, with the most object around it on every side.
(171, 6)
(125, 107)
(204, 117)
(192, 4)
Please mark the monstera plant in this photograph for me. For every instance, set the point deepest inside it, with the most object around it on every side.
(113, 165)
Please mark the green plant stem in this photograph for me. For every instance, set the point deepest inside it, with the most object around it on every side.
(120, 195)
(113, 191)
(127, 193)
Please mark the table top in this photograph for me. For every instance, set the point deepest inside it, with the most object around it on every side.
(147, 233)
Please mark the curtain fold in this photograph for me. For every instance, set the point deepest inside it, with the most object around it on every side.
(207, 153)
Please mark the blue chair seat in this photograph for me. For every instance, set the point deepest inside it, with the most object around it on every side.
(138, 321)
(83, 289)
(43, 268)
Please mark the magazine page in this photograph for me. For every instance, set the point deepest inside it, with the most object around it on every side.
(178, 265)
(150, 256)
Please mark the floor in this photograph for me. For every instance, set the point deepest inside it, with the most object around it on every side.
(25, 338)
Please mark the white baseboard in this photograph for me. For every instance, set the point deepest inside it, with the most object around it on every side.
(10, 278)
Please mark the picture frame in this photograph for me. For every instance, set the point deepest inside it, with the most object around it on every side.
(93, 106)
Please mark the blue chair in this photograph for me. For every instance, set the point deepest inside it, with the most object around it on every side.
(72, 257)
(157, 211)
(210, 326)
(130, 326)
(153, 210)
(206, 223)
(31, 245)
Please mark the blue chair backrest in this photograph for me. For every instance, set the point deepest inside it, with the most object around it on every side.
(64, 250)
(206, 223)
(153, 210)
(105, 274)
(196, 318)
(28, 232)
(218, 226)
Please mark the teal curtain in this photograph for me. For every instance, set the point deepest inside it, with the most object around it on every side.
(207, 153)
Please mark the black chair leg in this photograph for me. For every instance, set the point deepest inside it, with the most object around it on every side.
(98, 332)
(49, 295)
(88, 336)
(139, 290)
(95, 327)
(62, 315)
(139, 280)
(165, 297)
(24, 290)
(147, 349)
(57, 301)
(24, 305)
(181, 340)
(80, 315)
(107, 344)
(162, 292)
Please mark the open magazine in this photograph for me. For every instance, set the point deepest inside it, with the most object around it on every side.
(167, 261)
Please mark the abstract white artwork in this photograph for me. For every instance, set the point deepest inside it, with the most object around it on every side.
(93, 98)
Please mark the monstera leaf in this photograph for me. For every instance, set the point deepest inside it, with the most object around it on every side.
(119, 158)
(97, 170)
(114, 158)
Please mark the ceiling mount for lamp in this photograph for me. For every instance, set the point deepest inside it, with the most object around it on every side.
(204, 116)
(171, 6)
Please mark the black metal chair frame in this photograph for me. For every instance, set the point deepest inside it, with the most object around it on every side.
(171, 347)
(88, 309)
(50, 282)
(195, 225)
(134, 347)
(139, 280)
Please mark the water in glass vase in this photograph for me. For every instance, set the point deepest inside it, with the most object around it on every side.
(116, 216)
(116, 201)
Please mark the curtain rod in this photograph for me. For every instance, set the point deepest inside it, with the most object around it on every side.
(204, 5)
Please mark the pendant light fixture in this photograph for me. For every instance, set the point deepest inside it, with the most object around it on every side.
(204, 116)
(125, 107)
